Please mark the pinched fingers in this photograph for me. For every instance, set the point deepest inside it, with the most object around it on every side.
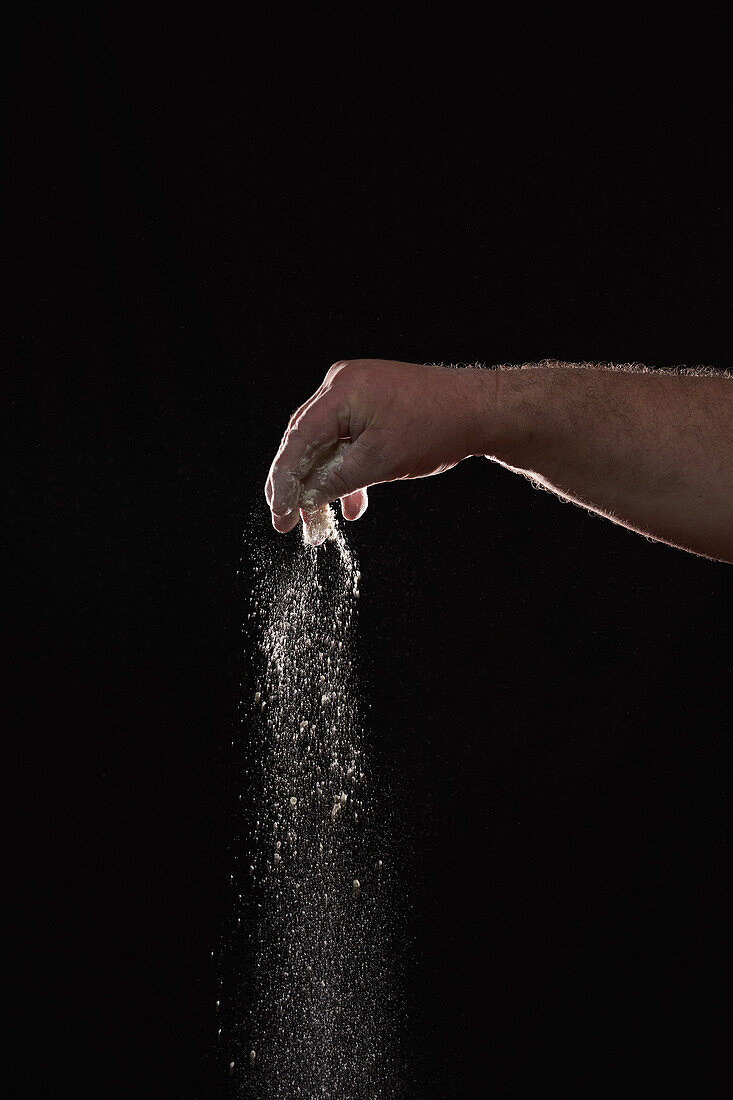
(312, 433)
(269, 485)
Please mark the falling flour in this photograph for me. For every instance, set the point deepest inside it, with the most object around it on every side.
(315, 1018)
(319, 525)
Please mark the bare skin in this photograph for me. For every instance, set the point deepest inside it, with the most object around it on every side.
(650, 450)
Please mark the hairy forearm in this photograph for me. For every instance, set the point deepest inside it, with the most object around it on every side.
(650, 450)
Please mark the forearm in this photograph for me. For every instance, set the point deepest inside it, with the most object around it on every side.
(649, 450)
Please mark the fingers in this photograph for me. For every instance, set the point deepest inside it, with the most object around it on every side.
(283, 524)
(296, 420)
(291, 422)
(313, 431)
(354, 505)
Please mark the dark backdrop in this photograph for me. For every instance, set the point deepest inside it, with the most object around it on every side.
(209, 210)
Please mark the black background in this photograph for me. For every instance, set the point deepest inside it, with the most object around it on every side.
(210, 209)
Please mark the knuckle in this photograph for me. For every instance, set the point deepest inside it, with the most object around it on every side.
(348, 375)
(335, 370)
(346, 368)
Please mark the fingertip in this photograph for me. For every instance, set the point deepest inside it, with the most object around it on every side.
(354, 505)
(285, 523)
(284, 492)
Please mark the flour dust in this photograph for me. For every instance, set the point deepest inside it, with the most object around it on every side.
(315, 1011)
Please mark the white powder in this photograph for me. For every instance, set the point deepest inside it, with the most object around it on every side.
(316, 1009)
(319, 526)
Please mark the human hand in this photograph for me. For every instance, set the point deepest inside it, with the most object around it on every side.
(371, 421)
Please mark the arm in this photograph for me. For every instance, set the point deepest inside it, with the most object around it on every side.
(650, 450)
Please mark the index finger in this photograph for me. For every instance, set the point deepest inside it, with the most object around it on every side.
(323, 421)
(291, 422)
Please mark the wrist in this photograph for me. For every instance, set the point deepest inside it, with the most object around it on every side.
(521, 399)
(490, 413)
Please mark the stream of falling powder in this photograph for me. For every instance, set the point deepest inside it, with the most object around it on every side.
(319, 1022)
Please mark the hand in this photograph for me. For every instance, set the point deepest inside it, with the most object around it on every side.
(371, 421)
